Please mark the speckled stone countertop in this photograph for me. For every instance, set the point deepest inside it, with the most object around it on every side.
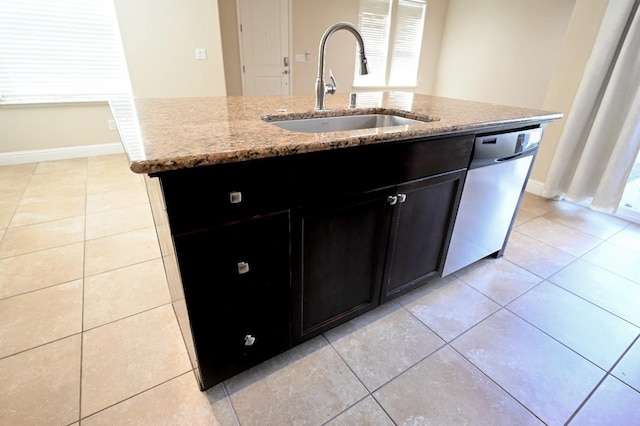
(175, 133)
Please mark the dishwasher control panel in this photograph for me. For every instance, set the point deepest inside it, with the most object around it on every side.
(503, 146)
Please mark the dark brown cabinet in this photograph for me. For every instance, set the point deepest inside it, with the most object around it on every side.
(273, 252)
(236, 285)
(420, 230)
(337, 261)
(352, 255)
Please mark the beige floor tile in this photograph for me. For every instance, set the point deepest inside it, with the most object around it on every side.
(10, 197)
(534, 256)
(602, 288)
(628, 238)
(41, 236)
(559, 236)
(613, 403)
(382, 343)
(28, 214)
(6, 213)
(75, 165)
(545, 376)
(113, 200)
(116, 251)
(33, 319)
(53, 186)
(176, 402)
(589, 330)
(500, 280)
(41, 386)
(108, 161)
(221, 406)
(366, 412)
(33, 271)
(14, 183)
(124, 358)
(452, 309)
(118, 221)
(585, 220)
(122, 292)
(445, 389)
(617, 259)
(125, 180)
(628, 370)
(524, 216)
(309, 384)
(25, 170)
(537, 205)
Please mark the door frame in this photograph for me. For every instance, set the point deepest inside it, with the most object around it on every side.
(241, 47)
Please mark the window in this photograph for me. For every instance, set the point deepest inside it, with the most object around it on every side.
(60, 50)
(392, 32)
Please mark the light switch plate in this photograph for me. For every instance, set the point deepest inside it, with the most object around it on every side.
(300, 57)
(201, 53)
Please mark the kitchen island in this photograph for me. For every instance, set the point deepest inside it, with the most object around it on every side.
(270, 237)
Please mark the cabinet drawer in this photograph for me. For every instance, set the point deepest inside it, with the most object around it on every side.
(415, 160)
(342, 173)
(236, 282)
(209, 196)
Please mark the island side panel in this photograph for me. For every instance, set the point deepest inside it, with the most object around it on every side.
(172, 270)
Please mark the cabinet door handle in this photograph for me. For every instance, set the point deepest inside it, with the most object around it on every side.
(392, 200)
(402, 198)
(235, 197)
(249, 340)
(243, 268)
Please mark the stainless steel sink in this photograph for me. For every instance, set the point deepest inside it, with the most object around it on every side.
(342, 123)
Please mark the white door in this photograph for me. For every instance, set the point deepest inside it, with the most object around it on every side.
(264, 42)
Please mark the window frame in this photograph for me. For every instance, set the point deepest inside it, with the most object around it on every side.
(391, 36)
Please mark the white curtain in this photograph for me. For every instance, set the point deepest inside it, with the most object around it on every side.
(601, 137)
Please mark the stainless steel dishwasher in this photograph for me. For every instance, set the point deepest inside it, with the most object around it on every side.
(495, 182)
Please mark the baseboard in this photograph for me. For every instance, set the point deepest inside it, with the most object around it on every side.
(64, 153)
(534, 187)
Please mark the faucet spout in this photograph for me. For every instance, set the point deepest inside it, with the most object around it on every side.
(321, 88)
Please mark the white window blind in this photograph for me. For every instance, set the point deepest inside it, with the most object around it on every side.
(392, 32)
(60, 50)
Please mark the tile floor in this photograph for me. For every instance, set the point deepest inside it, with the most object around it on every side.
(546, 334)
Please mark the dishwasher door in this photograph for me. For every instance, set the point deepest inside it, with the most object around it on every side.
(488, 204)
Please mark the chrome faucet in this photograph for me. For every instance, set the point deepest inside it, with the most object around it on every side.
(321, 88)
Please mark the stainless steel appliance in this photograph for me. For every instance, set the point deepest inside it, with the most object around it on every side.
(495, 182)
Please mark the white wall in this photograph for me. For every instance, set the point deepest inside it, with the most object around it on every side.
(529, 53)
(160, 37)
(501, 51)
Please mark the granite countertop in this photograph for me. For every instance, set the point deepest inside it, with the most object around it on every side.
(176, 133)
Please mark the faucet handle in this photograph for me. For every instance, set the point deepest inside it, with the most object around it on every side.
(331, 88)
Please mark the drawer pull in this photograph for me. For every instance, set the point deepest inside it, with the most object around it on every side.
(402, 198)
(235, 197)
(249, 340)
(243, 268)
(392, 200)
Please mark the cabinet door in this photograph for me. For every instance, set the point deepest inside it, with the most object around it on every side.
(339, 259)
(420, 232)
(237, 288)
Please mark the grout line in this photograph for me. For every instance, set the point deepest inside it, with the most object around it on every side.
(228, 398)
(84, 258)
(136, 394)
(607, 374)
(493, 381)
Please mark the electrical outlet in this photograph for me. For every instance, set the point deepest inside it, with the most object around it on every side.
(201, 53)
(112, 124)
